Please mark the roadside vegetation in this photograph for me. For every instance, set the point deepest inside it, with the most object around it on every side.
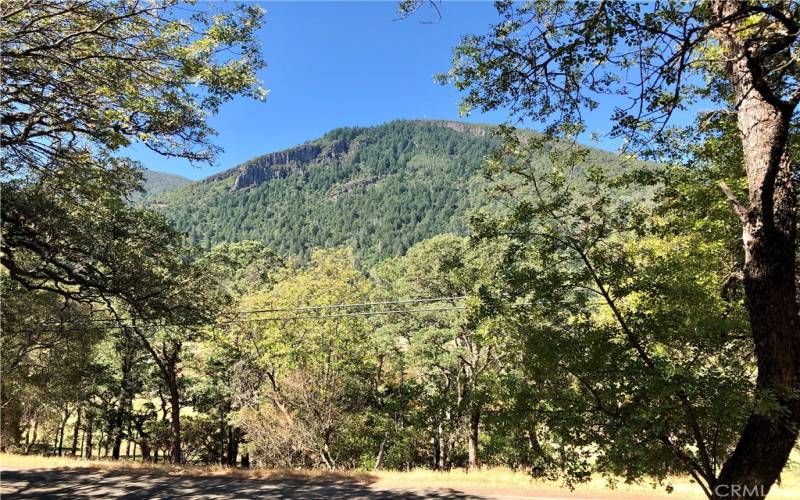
(636, 321)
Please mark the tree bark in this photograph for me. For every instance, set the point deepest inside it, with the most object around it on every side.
(75, 433)
(175, 407)
(769, 232)
(144, 439)
(33, 439)
(474, 429)
(89, 432)
(128, 441)
(60, 433)
(234, 436)
(380, 455)
(438, 463)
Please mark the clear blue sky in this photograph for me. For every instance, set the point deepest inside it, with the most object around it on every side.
(334, 64)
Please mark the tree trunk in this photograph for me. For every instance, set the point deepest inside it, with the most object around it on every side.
(438, 463)
(127, 346)
(75, 433)
(234, 435)
(33, 439)
(474, 426)
(128, 441)
(145, 445)
(89, 432)
(223, 431)
(769, 231)
(144, 440)
(380, 455)
(55, 443)
(175, 405)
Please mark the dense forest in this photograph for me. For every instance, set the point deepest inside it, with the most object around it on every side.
(378, 190)
(384, 189)
(421, 293)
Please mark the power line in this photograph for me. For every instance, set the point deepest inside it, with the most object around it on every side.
(258, 320)
(362, 304)
(341, 315)
(302, 308)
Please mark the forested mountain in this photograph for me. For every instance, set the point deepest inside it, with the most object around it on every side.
(377, 189)
(155, 183)
(159, 182)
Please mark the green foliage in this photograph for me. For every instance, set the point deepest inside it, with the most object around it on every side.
(398, 184)
(635, 351)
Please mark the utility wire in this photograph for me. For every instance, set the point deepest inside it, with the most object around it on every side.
(258, 320)
(304, 308)
(362, 304)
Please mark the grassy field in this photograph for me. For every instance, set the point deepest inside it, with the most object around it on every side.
(485, 479)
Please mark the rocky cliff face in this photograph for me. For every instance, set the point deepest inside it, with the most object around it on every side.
(282, 164)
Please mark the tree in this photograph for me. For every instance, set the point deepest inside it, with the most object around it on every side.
(81, 80)
(458, 356)
(312, 375)
(552, 61)
(46, 362)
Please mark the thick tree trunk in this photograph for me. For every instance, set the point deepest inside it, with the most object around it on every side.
(474, 429)
(144, 440)
(118, 434)
(769, 231)
(145, 445)
(75, 432)
(234, 436)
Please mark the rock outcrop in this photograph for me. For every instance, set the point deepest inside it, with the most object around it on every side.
(282, 164)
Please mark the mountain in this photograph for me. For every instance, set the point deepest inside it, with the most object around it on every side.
(378, 189)
(159, 182)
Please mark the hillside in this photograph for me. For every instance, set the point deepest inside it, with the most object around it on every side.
(378, 189)
(156, 183)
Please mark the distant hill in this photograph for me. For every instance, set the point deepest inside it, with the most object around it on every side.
(378, 189)
(159, 182)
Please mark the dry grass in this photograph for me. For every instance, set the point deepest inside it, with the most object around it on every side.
(485, 479)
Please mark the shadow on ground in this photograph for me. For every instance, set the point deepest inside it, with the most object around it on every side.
(89, 483)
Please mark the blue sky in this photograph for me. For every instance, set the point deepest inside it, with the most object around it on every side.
(334, 64)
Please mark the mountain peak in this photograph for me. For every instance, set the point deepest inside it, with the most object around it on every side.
(332, 146)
